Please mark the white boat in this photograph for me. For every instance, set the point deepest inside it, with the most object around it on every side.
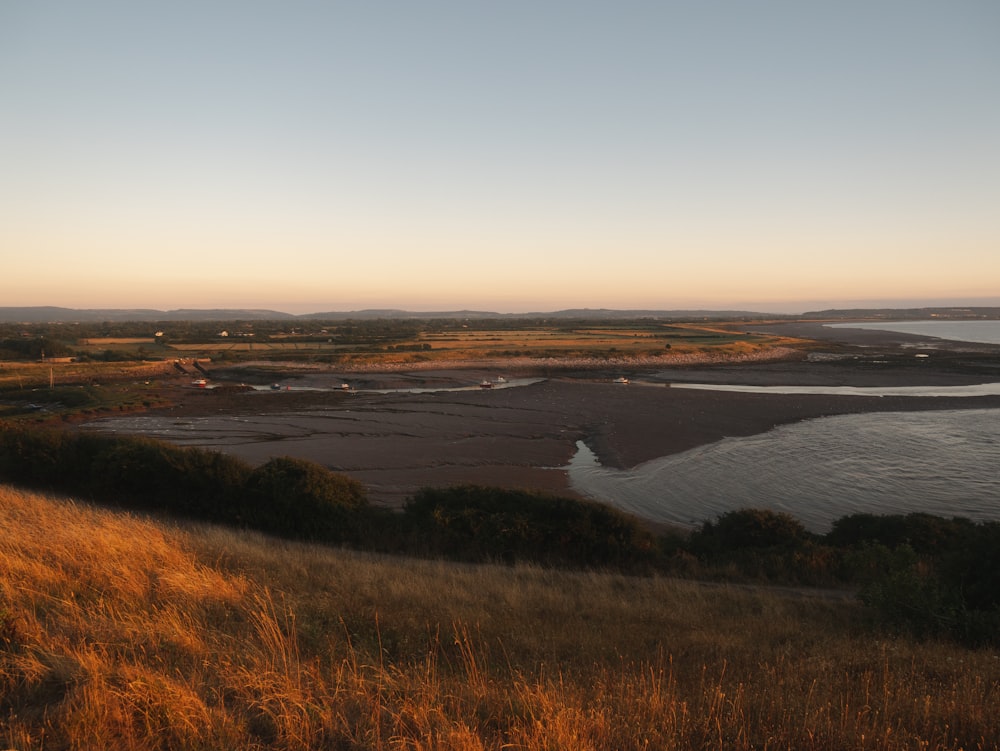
(486, 384)
(620, 379)
(200, 383)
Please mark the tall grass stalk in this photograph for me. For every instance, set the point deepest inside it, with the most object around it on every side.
(122, 632)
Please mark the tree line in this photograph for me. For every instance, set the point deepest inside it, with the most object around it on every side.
(929, 575)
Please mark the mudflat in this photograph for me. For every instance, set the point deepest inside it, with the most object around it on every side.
(399, 431)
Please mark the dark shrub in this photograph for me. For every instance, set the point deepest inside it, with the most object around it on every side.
(759, 544)
(483, 523)
(973, 567)
(303, 499)
(157, 476)
(30, 457)
(955, 594)
(907, 596)
(924, 533)
(749, 528)
(133, 472)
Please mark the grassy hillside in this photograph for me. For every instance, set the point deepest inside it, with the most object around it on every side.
(120, 632)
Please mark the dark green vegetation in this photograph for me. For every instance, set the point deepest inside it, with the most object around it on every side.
(475, 523)
(932, 576)
(287, 497)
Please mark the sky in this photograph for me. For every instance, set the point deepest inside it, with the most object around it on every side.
(511, 156)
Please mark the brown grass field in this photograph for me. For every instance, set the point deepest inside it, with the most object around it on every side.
(587, 347)
(118, 632)
(528, 342)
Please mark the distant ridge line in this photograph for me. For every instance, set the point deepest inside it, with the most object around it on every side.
(54, 314)
(947, 311)
(51, 314)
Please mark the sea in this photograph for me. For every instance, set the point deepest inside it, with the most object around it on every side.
(945, 463)
(983, 332)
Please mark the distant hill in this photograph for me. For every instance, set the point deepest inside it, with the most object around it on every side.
(605, 313)
(376, 313)
(572, 313)
(49, 314)
(916, 314)
(52, 314)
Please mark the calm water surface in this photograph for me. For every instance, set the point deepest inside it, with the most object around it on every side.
(942, 462)
(983, 332)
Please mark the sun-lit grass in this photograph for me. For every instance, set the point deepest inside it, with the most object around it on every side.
(529, 341)
(197, 347)
(528, 344)
(106, 341)
(23, 376)
(116, 632)
(577, 340)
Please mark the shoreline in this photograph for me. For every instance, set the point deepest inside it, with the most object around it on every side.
(524, 437)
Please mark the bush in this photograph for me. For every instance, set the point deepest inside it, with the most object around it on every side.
(973, 567)
(289, 497)
(477, 523)
(305, 500)
(926, 534)
(954, 595)
(749, 528)
(157, 476)
(32, 457)
(759, 544)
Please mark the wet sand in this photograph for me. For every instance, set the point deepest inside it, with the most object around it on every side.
(523, 437)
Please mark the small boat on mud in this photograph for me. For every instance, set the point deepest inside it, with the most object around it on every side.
(620, 379)
(200, 383)
(486, 384)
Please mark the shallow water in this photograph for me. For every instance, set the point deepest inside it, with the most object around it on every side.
(983, 332)
(494, 384)
(978, 389)
(940, 462)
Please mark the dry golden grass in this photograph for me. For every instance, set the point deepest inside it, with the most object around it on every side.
(113, 340)
(582, 347)
(527, 341)
(208, 347)
(18, 377)
(119, 632)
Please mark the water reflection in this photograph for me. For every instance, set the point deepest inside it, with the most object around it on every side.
(940, 462)
(494, 384)
(979, 389)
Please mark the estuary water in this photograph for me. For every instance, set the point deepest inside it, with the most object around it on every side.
(945, 463)
(982, 332)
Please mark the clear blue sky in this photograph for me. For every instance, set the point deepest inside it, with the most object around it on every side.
(506, 155)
